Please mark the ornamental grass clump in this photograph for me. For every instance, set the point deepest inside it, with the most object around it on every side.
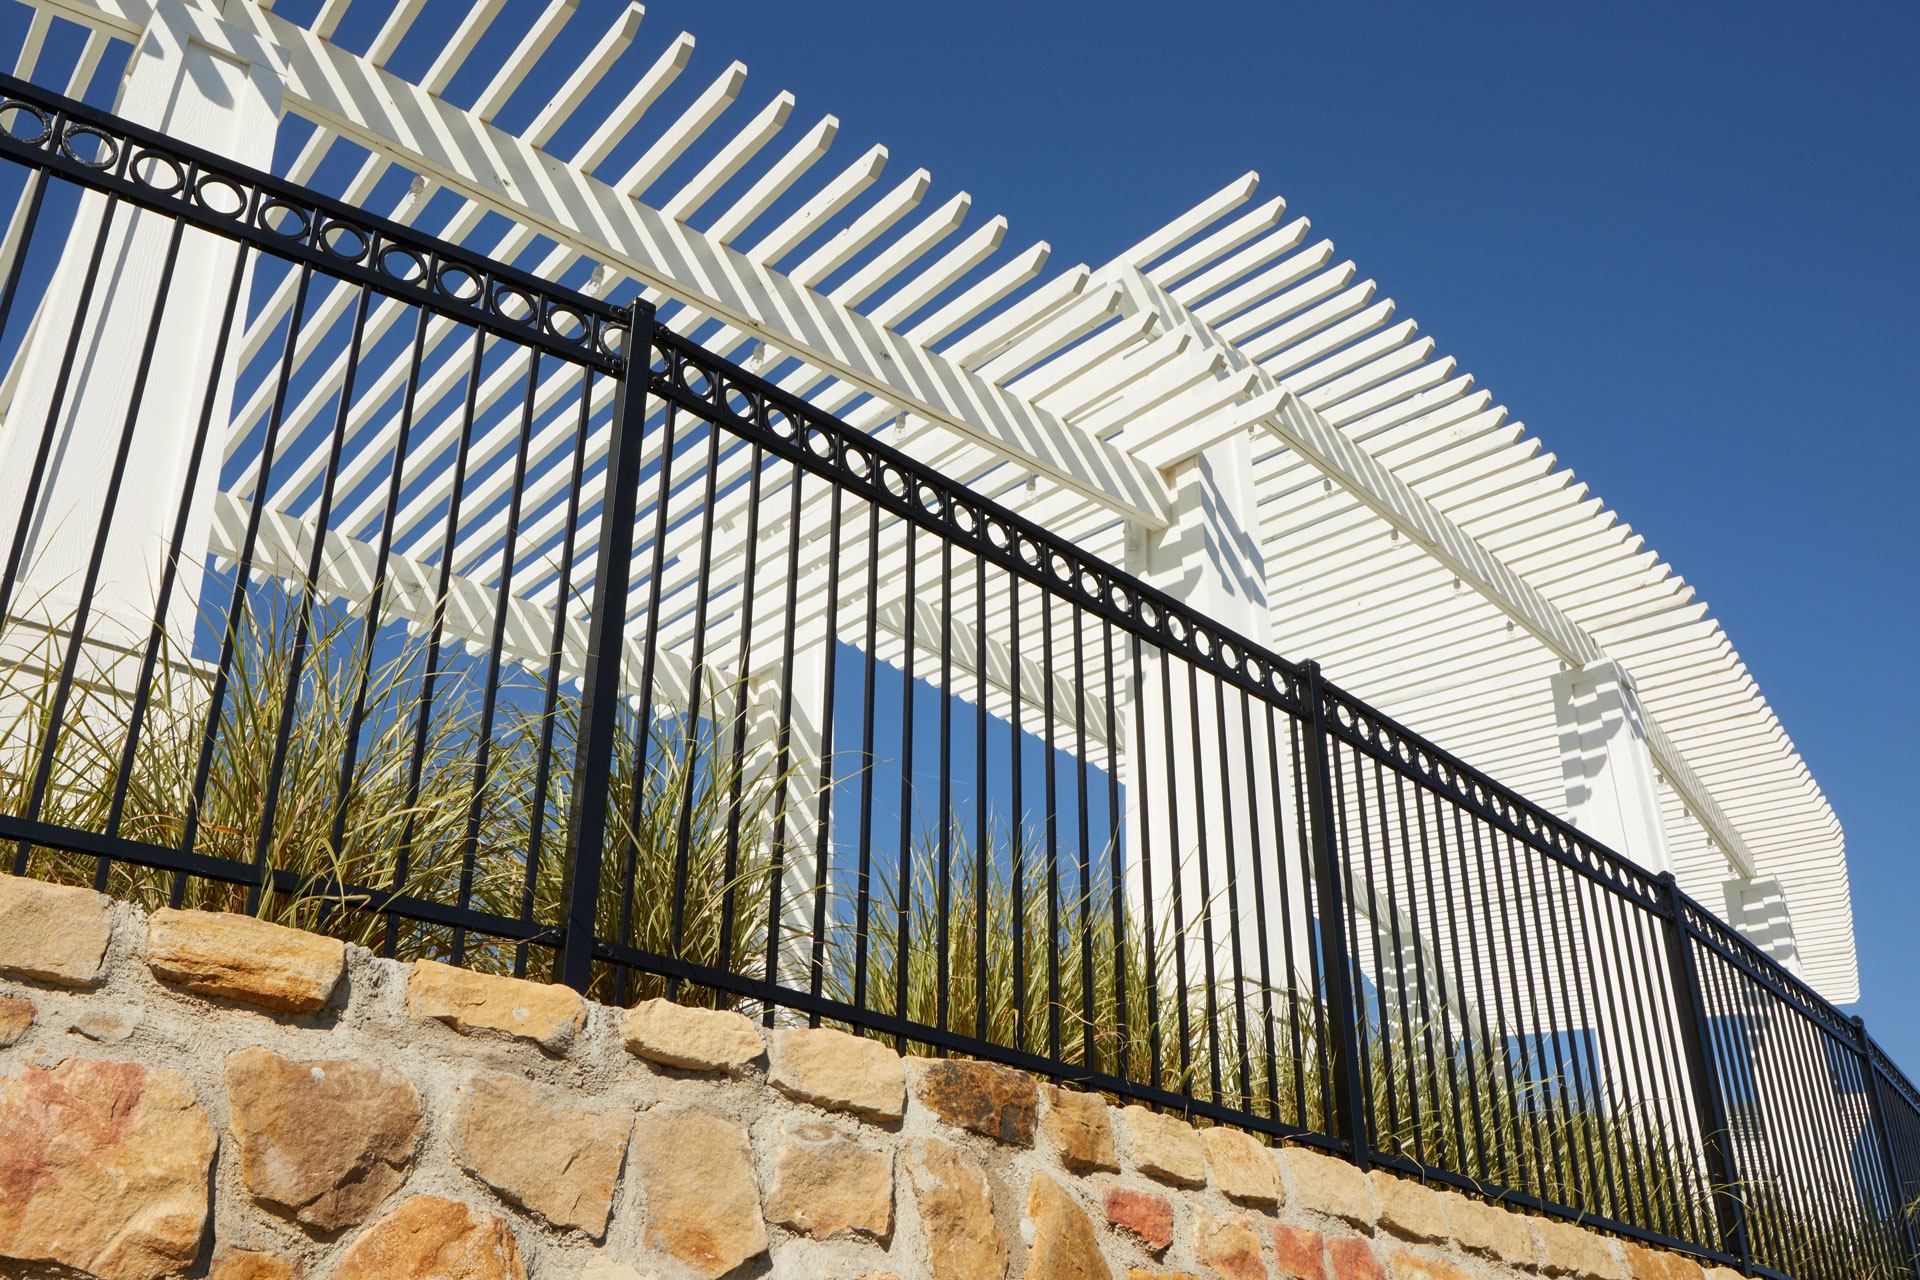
(354, 771)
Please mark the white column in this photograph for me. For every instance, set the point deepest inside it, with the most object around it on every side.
(1612, 789)
(1210, 559)
(1758, 909)
(216, 86)
(1612, 785)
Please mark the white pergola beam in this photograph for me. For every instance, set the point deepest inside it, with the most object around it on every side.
(686, 130)
(453, 55)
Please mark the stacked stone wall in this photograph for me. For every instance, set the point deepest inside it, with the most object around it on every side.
(200, 1095)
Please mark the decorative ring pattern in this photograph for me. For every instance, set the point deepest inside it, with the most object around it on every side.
(273, 213)
(865, 466)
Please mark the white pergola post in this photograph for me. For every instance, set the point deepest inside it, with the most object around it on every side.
(1612, 785)
(1607, 761)
(214, 85)
(1210, 559)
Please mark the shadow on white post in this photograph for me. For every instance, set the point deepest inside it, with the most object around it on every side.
(1612, 791)
(1204, 799)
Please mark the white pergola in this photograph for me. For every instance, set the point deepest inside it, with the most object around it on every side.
(1378, 512)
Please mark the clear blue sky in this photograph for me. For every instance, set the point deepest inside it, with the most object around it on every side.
(1679, 242)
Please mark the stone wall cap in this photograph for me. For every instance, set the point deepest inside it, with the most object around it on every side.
(692, 1039)
(838, 1071)
(1166, 1147)
(1242, 1166)
(546, 1014)
(1330, 1185)
(53, 933)
(238, 957)
(983, 1097)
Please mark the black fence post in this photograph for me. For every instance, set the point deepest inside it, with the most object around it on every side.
(1336, 961)
(1877, 1116)
(606, 638)
(1695, 1035)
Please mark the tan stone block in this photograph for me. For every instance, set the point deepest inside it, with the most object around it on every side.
(428, 1238)
(557, 1161)
(236, 957)
(1407, 1208)
(16, 1015)
(703, 1206)
(1406, 1265)
(1166, 1147)
(1077, 1125)
(1243, 1167)
(1658, 1264)
(1330, 1185)
(1065, 1246)
(1353, 1259)
(997, 1102)
(231, 1263)
(323, 1141)
(1723, 1273)
(827, 1184)
(1144, 1273)
(1145, 1215)
(691, 1039)
(1567, 1250)
(838, 1071)
(486, 1004)
(1299, 1253)
(956, 1213)
(52, 932)
(1489, 1230)
(104, 1169)
(1230, 1245)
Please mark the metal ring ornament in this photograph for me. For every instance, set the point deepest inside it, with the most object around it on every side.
(443, 270)
(174, 167)
(577, 329)
(73, 130)
(416, 272)
(215, 182)
(271, 206)
(501, 296)
(46, 122)
(332, 230)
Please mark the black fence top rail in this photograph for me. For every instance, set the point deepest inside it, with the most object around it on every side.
(153, 171)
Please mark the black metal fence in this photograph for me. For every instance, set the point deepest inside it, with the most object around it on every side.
(351, 578)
